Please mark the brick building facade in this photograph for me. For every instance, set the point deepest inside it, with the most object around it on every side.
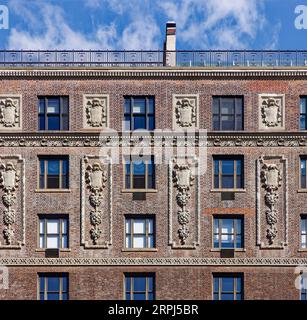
(76, 224)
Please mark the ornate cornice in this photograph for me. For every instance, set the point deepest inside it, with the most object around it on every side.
(77, 139)
(278, 262)
(153, 73)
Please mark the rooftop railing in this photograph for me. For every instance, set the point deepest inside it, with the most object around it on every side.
(212, 58)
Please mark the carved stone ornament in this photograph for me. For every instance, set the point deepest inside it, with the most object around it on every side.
(9, 178)
(10, 116)
(183, 180)
(185, 111)
(271, 112)
(95, 179)
(271, 181)
(96, 111)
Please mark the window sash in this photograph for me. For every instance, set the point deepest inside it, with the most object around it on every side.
(45, 178)
(236, 115)
(62, 114)
(148, 178)
(303, 173)
(147, 236)
(148, 292)
(303, 114)
(236, 293)
(62, 235)
(45, 292)
(131, 116)
(234, 236)
(303, 239)
(237, 177)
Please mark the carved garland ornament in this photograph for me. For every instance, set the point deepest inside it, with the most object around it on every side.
(185, 112)
(96, 112)
(9, 178)
(95, 179)
(9, 114)
(271, 179)
(271, 111)
(183, 180)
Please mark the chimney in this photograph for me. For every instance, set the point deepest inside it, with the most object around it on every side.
(170, 45)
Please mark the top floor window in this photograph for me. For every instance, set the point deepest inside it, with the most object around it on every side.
(227, 113)
(303, 113)
(139, 113)
(53, 113)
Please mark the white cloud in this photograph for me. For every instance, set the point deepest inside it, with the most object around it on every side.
(142, 34)
(211, 24)
(55, 33)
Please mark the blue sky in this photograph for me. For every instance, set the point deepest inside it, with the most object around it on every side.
(140, 24)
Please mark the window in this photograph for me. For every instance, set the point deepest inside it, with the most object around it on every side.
(303, 113)
(228, 233)
(53, 113)
(53, 173)
(139, 113)
(228, 172)
(139, 286)
(304, 231)
(139, 233)
(140, 173)
(53, 233)
(303, 287)
(303, 175)
(227, 113)
(53, 286)
(227, 287)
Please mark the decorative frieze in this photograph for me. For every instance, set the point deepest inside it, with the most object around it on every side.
(104, 139)
(95, 111)
(185, 111)
(96, 212)
(271, 112)
(272, 202)
(10, 112)
(13, 201)
(218, 262)
(184, 206)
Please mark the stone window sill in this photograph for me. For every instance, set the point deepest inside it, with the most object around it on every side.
(140, 250)
(139, 190)
(230, 190)
(235, 250)
(52, 190)
(44, 249)
(302, 190)
(302, 250)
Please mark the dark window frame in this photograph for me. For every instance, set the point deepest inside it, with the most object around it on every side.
(235, 218)
(131, 116)
(230, 275)
(60, 235)
(303, 178)
(303, 115)
(146, 235)
(220, 175)
(63, 126)
(236, 114)
(43, 177)
(45, 291)
(130, 178)
(147, 291)
(303, 220)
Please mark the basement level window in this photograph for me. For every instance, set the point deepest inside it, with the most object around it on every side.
(227, 286)
(139, 286)
(53, 286)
